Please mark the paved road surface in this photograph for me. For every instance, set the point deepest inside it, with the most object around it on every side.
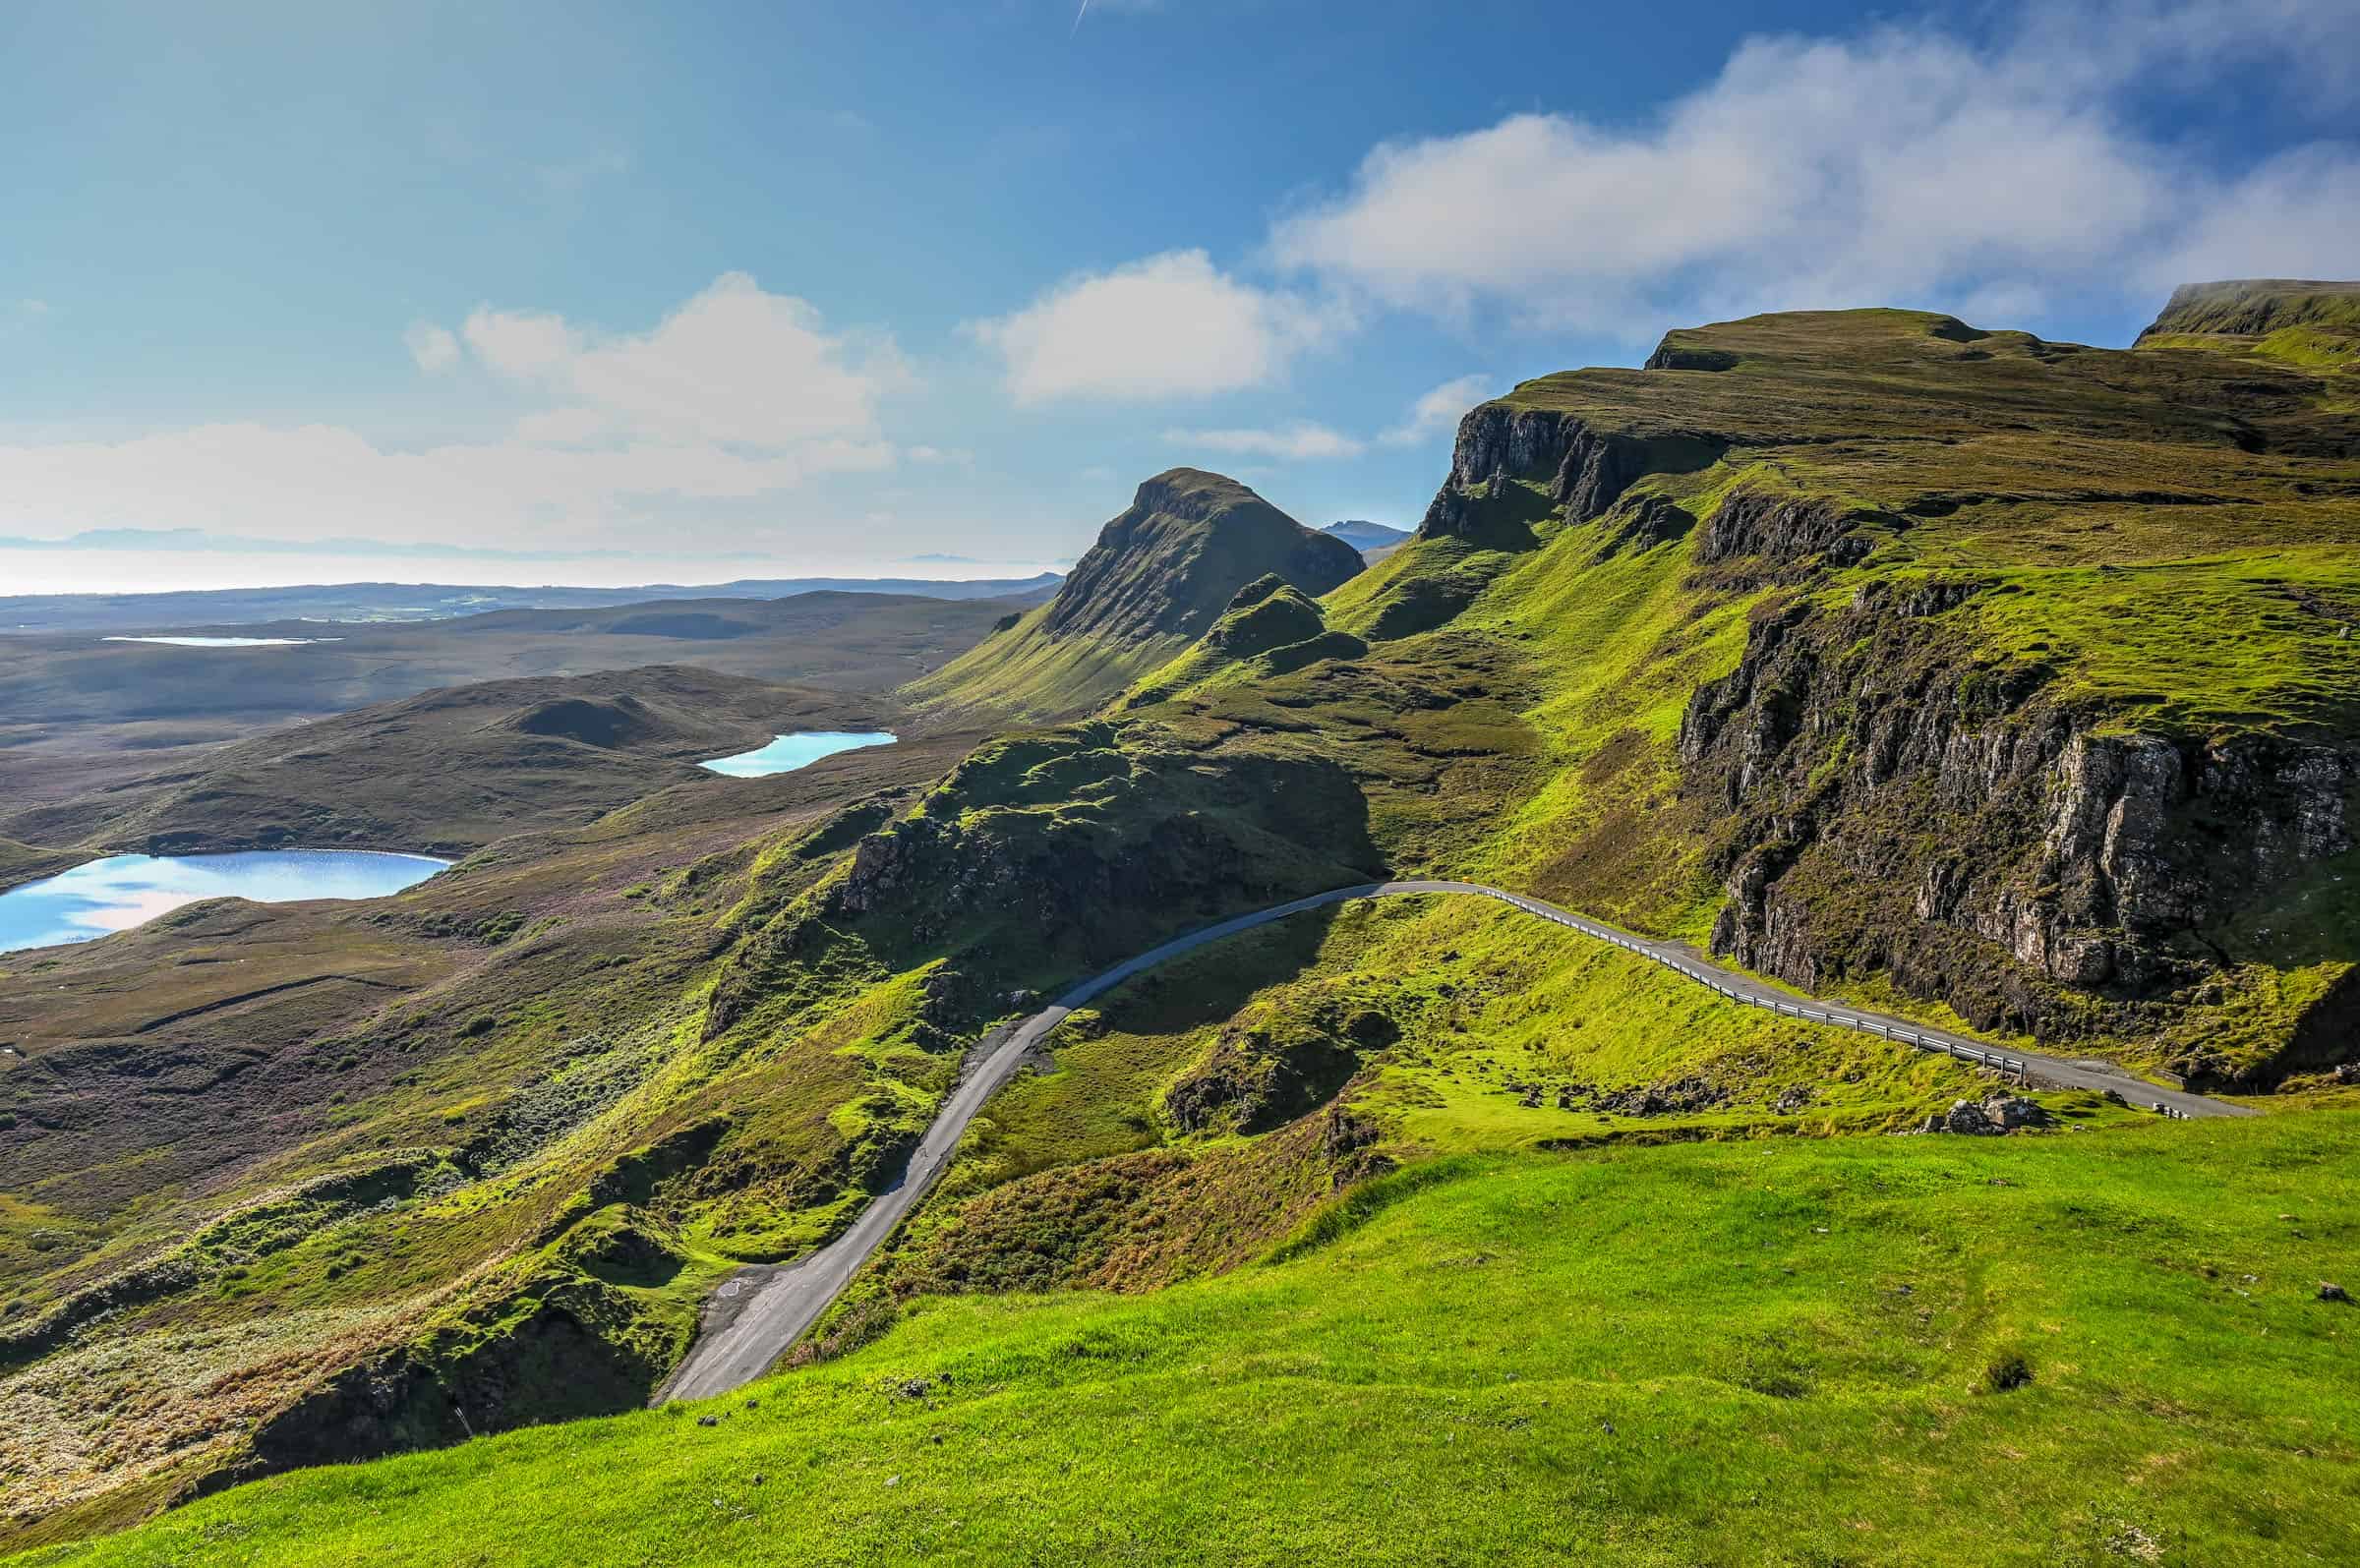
(766, 1310)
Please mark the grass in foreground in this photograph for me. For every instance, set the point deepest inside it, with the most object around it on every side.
(2098, 1348)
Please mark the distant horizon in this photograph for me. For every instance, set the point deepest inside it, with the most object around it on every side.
(34, 573)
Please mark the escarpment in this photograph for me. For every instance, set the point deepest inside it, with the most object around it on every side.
(1571, 464)
(2046, 699)
(1889, 802)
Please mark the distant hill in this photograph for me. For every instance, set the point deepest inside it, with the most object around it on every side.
(413, 601)
(1372, 539)
(449, 770)
(1159, 578)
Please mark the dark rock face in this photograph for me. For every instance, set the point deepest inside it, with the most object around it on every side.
(1170, 564)
(1655, 520)
(1783, 530)
(1579, 469)
(1892, 805)
(1172, 845)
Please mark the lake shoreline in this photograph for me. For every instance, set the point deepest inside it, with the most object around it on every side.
(112, 894)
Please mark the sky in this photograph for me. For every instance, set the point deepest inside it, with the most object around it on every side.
(612, 293)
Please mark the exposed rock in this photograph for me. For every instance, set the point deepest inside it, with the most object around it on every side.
(1993, 1116)
(1582, 470)
(1783, 530)
(1653, 520)
(1966, 1117)
(1171, 563)
(1255, 1079)
(2065, 855)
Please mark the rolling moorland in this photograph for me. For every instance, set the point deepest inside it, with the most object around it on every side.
(2006, 683)
(81, 717)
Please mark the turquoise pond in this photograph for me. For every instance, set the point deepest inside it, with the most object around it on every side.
(799, 750)
(126, 891)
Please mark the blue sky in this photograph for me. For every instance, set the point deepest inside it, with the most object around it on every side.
(622, 293)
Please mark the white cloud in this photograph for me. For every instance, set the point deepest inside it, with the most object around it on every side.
(736, 396)
(733, 365)
(1900, 166)
(522, 345)
(1171, 325)
(1437, 412)
(432, 347)
(2295, 215)
(1298, 442)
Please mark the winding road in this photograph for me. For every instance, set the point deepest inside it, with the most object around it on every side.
(759, 1314)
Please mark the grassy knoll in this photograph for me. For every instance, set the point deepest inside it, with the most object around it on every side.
(23, 862)
(2090, 1348)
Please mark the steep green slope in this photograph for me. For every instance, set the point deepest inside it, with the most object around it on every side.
(1158, 578)
(2105, 1347)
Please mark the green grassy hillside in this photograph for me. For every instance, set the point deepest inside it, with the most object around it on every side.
(1158, 578)
(2096, 1348)
(2004, 682)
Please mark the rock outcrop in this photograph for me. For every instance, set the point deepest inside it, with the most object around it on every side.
(1855, 747)
(1160, 575)
(1173, 562)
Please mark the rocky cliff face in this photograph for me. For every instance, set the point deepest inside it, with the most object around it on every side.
(1886, 806)
(1883, 789)
(1577, 467)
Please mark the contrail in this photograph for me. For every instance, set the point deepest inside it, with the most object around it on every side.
(1078, 16)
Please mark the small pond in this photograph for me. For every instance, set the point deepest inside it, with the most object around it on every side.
(130, 890)
(799, 750)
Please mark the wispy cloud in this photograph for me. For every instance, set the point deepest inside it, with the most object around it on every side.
(1436, 413)
(433, 348)
(1433, 414)
(1298, 442)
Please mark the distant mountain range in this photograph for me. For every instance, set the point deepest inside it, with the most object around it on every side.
(413, 601)
(1372, 539)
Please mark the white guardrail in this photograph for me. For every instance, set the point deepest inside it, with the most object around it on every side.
(1784, 1008)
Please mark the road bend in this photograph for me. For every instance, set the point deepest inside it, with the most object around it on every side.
(759, 1313)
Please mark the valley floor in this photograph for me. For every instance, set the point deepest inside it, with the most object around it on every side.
(2104, 1346)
